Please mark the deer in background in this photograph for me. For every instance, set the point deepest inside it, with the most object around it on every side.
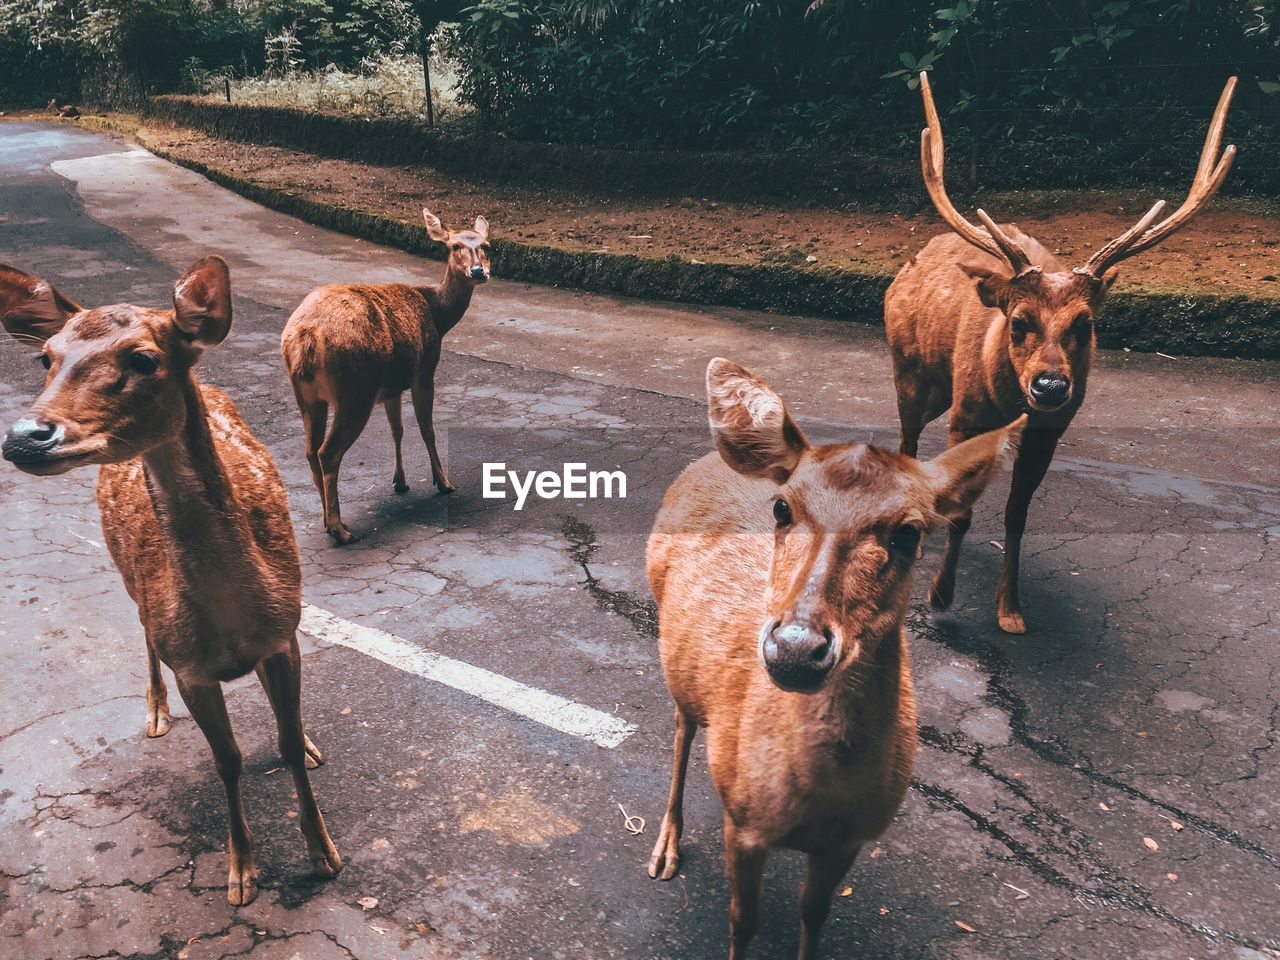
(782, 575)
(1008, 329)
(351, 346)
(193, 511)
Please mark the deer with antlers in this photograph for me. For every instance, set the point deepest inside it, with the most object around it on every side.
(193, 510)
(989, 324)
(352, 346)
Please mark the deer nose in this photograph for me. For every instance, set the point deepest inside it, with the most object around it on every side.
(30, 439)
(1050, 389)
(798, 656)
(478, 273)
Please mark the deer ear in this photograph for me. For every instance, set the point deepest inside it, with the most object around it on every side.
(1109, 277)
(202, 302)
(435, 229)
(992, 287)
(30, 308)
(961, 474)
(482, 227)
(751, 428)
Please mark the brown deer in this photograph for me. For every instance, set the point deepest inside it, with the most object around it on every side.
(353, 346)
(1007, 329)
(782, 575)
(193, 511)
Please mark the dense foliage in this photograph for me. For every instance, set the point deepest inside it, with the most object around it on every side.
(778, 71)
(708, 73)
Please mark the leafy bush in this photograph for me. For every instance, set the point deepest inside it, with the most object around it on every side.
(794, 72)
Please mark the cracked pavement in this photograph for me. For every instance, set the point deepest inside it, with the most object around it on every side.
(1143, 697)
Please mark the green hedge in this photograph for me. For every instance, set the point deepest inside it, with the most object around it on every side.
(1199, 324)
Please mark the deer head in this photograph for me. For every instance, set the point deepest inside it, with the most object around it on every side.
(846, 521)
(116, 375)
(1049, 316)
(468, 249)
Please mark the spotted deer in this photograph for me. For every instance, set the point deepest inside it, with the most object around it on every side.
(352, 346)
(193, 512)
(782, 576)
(989, 324)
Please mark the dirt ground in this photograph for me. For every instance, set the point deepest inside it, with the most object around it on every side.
(1234, 247)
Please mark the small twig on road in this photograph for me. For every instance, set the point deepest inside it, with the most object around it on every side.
(1021, 894)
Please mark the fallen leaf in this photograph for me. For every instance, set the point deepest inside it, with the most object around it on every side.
(1104, 808)
(367, 903)
(381, 843)
(884, 911)
(1172, 876)
(377, 929)
(1143, 734)
(345, 711)
(876, 852)
(847, 892)
(965, 927)
(1150, 844)
(1175, 826)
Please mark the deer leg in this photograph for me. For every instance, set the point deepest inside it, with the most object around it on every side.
(1034, 455)
(824, 873)
(424, 397)
(315, 420)
(282, 676)
(158, 722)
(349, 419)
(314, 758)
(744, 864)
(392, 406)
(209, 711)
(944, 582)
(665, 860)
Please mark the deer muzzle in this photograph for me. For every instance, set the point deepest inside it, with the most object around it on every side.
(798, 655)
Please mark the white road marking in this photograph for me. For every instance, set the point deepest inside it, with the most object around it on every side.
(548, 709)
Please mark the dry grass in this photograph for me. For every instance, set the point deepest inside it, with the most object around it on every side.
(386, 87)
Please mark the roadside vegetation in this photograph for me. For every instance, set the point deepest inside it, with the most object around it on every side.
(1055, 77)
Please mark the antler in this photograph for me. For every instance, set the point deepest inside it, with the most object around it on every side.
(993, 240)
(1210, 173)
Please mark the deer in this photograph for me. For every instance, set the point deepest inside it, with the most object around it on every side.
(194, 515)
(352, 346)
(988, 323)
(781, 572)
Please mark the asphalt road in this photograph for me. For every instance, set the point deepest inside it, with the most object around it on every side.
(1143, 697)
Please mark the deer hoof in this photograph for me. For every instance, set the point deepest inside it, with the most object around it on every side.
(312, 757)
(158, 722)
(327, 863)
(341, 535)
(242, 887)
(401, 486)
(665, 861)
(1012, 622)
(444, 486)
(940, 595)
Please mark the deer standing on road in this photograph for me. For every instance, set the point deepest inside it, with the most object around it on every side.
(193, 511)
(1006, 330)
(353, 346)
(782, 575)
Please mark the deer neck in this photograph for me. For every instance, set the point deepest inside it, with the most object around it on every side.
(869, 694)
(203, 526)
(448, 300)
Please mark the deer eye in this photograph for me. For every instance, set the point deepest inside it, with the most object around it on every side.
(44, 360)
(1019, 326)
(144, 363)
(782, 513)
(906, 539)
